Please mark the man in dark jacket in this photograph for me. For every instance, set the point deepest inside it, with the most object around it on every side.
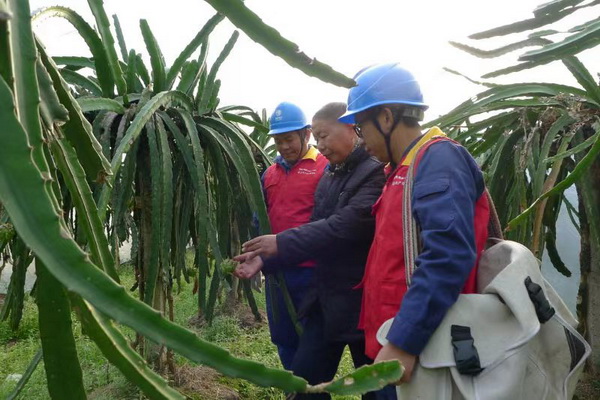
(338, 239)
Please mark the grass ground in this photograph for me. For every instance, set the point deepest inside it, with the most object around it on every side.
(105, 382)
(233, 331)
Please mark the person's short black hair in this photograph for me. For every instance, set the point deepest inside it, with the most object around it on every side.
(398, 111)
(330, 111)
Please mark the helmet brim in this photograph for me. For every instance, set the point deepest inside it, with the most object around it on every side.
(349, 117)
(287, 129)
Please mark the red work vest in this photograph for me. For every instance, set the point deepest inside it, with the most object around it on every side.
(291, 194)
(384, 284)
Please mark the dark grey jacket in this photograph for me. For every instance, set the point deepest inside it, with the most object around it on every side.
(338, 239)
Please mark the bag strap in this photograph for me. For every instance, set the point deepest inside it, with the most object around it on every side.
(410, 228)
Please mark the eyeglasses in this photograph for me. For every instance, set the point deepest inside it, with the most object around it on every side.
(358, 130)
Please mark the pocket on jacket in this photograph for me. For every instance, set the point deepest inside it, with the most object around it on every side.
(424, 189)
(432, 205)
(389, 294)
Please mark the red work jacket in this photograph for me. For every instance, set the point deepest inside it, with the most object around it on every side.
(290, 194)
(384, 282)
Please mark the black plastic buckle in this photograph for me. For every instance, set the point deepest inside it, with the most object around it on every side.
(465, 353)
(543, 309)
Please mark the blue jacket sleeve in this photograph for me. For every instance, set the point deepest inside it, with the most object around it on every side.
(446, 187)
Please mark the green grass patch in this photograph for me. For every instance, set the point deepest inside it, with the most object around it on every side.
(103, 381)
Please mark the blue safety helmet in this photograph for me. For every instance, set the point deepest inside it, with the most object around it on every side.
(287, 117)
(384, 84)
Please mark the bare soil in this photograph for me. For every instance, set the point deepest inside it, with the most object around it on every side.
(588, 387)
(240, 311)
(203, 383)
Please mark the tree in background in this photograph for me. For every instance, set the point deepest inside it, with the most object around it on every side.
(535, 140)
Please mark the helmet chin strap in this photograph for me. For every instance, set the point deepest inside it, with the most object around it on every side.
(302, 134)
(387, 137)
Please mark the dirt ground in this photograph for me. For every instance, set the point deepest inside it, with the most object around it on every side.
(588, 387)
(240, 311)
(203, 382)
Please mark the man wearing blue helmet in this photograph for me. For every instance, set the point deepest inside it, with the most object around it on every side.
(289, 186)
(338, 238)
(406, 290)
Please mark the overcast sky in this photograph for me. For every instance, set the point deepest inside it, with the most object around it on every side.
(346, 34)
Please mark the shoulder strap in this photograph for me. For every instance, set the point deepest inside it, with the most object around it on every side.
(410, 229)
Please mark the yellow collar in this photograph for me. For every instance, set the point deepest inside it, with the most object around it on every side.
(435, 131)
(311, 154)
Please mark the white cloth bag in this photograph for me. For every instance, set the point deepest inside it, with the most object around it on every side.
(521, 358)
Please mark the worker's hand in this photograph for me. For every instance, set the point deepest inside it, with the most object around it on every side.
(265, 246)
(248, 267)
(391, 352)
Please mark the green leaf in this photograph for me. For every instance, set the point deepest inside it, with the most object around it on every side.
(554, 6)
(6, 72)
(244, 163)
(142, 70)
(213, 103)
(156, 240)
(30, 208)
(63, 372)
(367, 378)
(557, 131)
(584, 77)
(117, 350)
(101, 62)
(488, 84)
(246, 285)
(206, 230)
(200, 38)
(77, 129)
(133, 83)
(134, 130)
(26, 91)
(587, 38)
(166, 210)
(580, 147)
(523, 25)
(476, 105)
(553, 254)
(125, 183)
(515, 68)
(88, 104)
(15, 295)
(536, 41)
(74, 63)
(560, 187)
(108, 42)
(51, 110)
(74, 78)
(120, 38)
(25, 378)
(85, 206)
(207, 90)
(270, 39)
(156, 57)
(189, 77)
(542, 33)
(244, 121)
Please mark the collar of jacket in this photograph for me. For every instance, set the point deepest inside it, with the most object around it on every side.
(413, 148)
(311, 154)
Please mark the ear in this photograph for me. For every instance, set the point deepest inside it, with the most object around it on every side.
(308, 133)
(386, 119)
